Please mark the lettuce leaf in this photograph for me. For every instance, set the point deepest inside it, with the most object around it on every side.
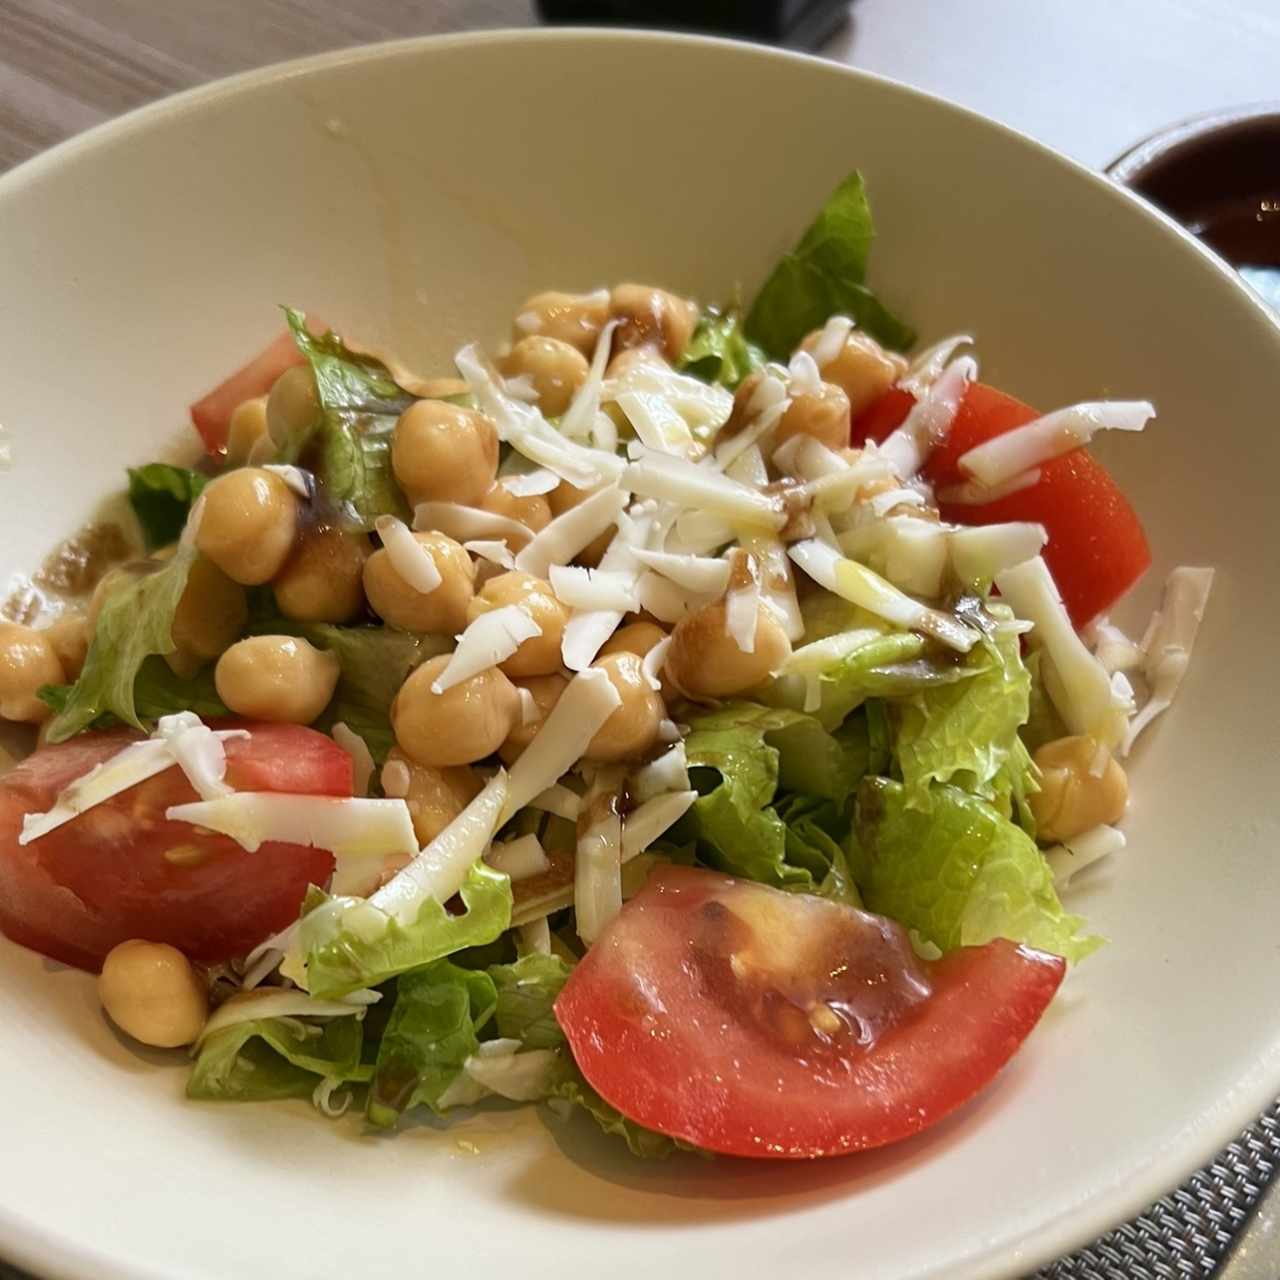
(719, 350)
(958, 872)
(135, 623)
(161, 496)
(433, 1029)
(966, 732)
(823, 276)
(156, 692)
(526, 993)
(277, 1058)
(341, 955)
(348, 447)
(739, 757)
(573, 1088)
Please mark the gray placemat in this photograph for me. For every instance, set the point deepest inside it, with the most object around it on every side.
(1183, 1235)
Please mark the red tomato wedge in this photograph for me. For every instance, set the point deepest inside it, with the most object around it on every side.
(1097, 549)
(754, 1022)
(212, 414)
(121, 870)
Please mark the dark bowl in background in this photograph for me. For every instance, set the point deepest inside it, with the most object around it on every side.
(1219, 175)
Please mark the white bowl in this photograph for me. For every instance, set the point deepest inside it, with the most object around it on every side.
(419, 191)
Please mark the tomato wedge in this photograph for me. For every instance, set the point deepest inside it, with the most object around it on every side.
(211, 415)
(754, 1022)
(121, 870)
(1096, 550)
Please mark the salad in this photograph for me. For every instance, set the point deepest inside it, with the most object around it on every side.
(692, 714)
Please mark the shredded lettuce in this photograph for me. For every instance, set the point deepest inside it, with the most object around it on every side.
(161, 496)
(348, 447)
(277, 1058)
(135, 622)
(526, 992)
(433, 1030)
(156, 692)
(719, 351)
(739, 757)
(572, 1087)
(346, 945)
(966, 732)
(958, 873)
(823, 276)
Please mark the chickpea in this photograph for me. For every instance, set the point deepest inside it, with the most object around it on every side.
(463, 724)
(249, 524)
(443, 452)
(322, 580)
(704, 660)
(652, 316)
(546, 691)
(28, 661)
(293, 405)
(575, 318)
(435, 796)
(444, 609)
(632, 358)
(1071, 800)
(822, 414)
(247, 431)
(863, 369)
(555, 369)
(70, 636)
(151, 992)
(635, 637)
(209, 618)
(533, 510)
(278, 678)
(632, 729)
(541, 655)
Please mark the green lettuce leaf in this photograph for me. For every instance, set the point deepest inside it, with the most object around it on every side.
(966, 732)
(739, 757)
(526, 992)
(823, 276)
(341, 956)
(277, 1058)
(814, 829)
(348, 447)
(958, 872)
(156, 692)
(573, 1088)
(719, 350)
(161, 496)
(135, 622)
(434, 1028)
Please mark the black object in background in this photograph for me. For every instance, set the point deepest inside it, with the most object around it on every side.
(802, 24)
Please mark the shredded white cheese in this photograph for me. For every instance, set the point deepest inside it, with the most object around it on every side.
(929, 364)
(295, 478)
(597, 885)
(579, 714)
(859, 585)
(971, 493)
(580, 416)
(569, 534)
(133, 764)
(1075, 680)
(518, 859)
(831, 341)
(409, 558)
(494, 552)
(1169, 642)
(930, 418)
(465, 524)
(979, 553)
(441, 868)
(559, 800)
(703, 575)
(594, 588)
(1025, 448)
(361, 759)
(660, 475)
(1072, 856)
(530, 484)
(650, 820)
(669, 772)
(487, 641)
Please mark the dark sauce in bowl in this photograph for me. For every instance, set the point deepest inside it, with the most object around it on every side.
(1219, 176)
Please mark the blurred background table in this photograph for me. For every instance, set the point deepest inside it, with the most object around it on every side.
(1090, 77)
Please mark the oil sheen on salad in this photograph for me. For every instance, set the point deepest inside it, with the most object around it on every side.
(691, 714)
